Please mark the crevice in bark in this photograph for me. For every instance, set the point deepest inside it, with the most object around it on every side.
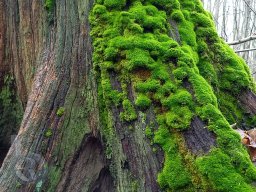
(3, 153)
(248, 101)
(198, 138)
(104, 183)
(88, 166)
(10, 115)
(141, 161)
(174, 31)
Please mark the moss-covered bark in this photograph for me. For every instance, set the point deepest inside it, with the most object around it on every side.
(182, 73)
(145, 105)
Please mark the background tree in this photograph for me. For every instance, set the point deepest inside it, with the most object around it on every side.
(235, 20)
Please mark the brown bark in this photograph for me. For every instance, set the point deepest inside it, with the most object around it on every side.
(198, 138)
(60, 54)
(248, 101)
(2, 35)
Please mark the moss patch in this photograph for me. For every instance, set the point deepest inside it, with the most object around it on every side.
(60, 111)
(49, 5)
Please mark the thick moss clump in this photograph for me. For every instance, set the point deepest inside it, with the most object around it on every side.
(49, 5)
(114, 3)
(143, 101)
(174, 174)
(178, 79)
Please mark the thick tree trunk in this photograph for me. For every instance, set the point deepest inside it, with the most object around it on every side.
(60, 54)
(83, 128)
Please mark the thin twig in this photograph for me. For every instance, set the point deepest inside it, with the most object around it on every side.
(250, 38)
(245, 50)
(249, 6)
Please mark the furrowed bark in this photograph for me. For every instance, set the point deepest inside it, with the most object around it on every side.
(60, 56)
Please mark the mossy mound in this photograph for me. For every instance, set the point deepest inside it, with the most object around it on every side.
(180, 79)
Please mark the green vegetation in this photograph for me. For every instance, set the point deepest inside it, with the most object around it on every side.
(178, 80)
(60, 111)
(143, 101)
(129, 113)
(18, 185)
(11, 111)
(114, 3)
(219, 169)
(174, 175)
(49, 5)
(48, 133)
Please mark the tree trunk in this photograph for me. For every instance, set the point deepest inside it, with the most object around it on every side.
(138, 99)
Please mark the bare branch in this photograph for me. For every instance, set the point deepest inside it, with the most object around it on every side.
(233, 125)
(245, 50)
(249, 6)
(250, 38)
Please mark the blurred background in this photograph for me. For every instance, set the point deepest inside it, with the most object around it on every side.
(235, 20)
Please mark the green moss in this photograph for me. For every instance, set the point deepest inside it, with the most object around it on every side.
(11, 111)
(149, 17)
(201, 20)
(186, 31)
(142, 101)
(48, 133)
(99, 9)
(203, 92)
(180, 73)
(231, 76)
(148, 132)
(60, 111)
(219, 169)
(177, 16)
(207, 33)
(229, 108)
(179, 118)
(149, 85)
(160, 72)
(18, 185)
(110, 53)
(181, 98)
(188, 5)
(174, 175)
(129, 113)
(208, 71)
(135, 43)
(135, 186)
(114, 4)
(54, 175)
(138, 58)
(211, 112)
(168, 87)
(112, 96)
(252, 121)
(168, 5)
(49, 4)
